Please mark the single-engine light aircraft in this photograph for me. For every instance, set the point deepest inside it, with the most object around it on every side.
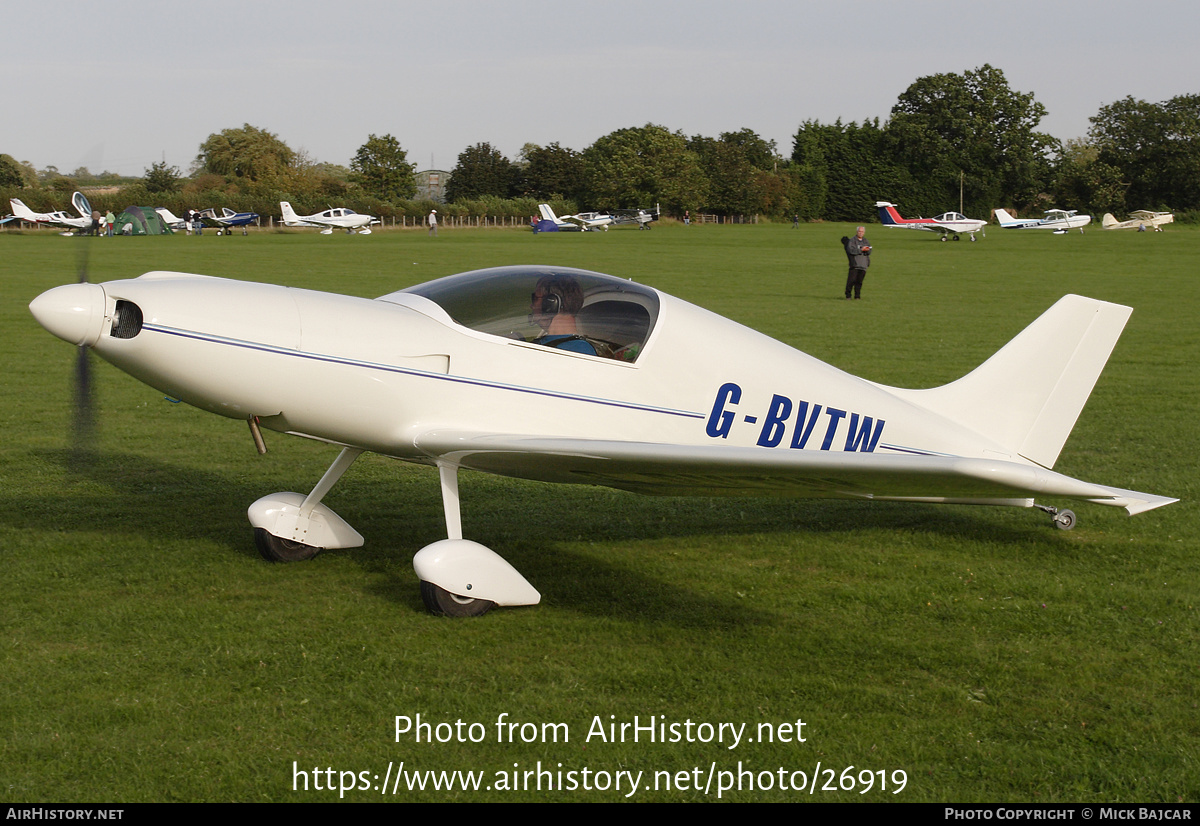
(227, 219)
(583, 221)
(1059, 220)
(948, 223)
(57, 219)
(566, 375)
(330, 219)
(1141, 219)
(641, 217)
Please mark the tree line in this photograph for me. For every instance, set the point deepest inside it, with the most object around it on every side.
(949, 136)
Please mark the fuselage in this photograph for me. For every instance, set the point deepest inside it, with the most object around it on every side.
(375, 374)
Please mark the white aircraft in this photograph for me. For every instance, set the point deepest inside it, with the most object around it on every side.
(1059, 220)
(170, 218)
(1142, 218)
(583, 221)
(467, 372)
(57, 219)
(948, 223)
(330, 219)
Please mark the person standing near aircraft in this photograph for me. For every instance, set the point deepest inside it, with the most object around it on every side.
(433, 222)
(109, 221)
(555, 301)
(858, 250)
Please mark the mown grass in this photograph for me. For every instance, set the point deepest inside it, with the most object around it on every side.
(148, 654)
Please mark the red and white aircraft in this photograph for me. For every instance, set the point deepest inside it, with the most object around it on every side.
(948, 223)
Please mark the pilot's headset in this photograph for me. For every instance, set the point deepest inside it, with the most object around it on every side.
(551, 304)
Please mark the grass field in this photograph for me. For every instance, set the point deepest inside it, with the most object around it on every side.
(149, 654)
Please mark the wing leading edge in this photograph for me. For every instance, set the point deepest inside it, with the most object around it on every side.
(705, 470)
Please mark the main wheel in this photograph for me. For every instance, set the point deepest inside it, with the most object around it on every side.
(277, 549)
(440, 601)
(1064, 520)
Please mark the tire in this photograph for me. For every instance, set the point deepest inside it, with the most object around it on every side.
(277, 549)
(440, 601)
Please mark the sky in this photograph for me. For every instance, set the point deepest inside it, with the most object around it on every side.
(118, 87)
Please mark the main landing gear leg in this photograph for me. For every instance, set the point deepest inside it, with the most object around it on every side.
(461, 578)
(291, 527)
(1063, 519)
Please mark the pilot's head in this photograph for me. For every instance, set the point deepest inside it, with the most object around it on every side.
(555, 295)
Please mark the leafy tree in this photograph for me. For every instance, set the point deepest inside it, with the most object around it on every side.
(481, 170)
(1156, 146)
(742, 172)
(381, 168)
(248, 154)
(161, 178)
(843, 169)
(642, 166)
(1083, 181)
(972, 124)
(552, 171)
(10, 172)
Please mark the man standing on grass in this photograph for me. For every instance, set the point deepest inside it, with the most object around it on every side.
(858, 250)
(433, 222)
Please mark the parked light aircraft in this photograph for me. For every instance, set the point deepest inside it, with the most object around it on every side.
(330, 219)
(228, 219)
(460, 373)
(1059, 220)
(592, 221)
(1138, 219)
(584, 221)
(948, 223)
(641, 217)
(170, 218)
(57, 219)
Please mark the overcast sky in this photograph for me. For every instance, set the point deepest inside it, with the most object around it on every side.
(118, 86)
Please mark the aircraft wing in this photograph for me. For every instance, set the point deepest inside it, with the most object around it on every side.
(719, 470)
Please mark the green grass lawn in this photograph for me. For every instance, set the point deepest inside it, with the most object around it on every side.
(149, 654)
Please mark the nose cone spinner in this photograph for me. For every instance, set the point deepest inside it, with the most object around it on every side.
(73, 312)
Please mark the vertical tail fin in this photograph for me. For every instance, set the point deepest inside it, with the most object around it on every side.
(21, 211)
(1004, 218)
(289, 216)
(1029, 395)
(547, 213)
(1108, 220)
(888, 216)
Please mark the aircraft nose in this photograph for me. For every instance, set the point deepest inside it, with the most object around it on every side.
(73, 312)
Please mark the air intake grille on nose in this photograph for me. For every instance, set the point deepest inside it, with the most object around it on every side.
(128, 320)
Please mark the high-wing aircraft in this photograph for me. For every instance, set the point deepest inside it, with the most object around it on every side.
(641, 217)
(330, 219)
(1142, 218)
(228, 219)
(1059, 220)
(645, 393)
(57, 219)
(584, 221)
(948, 223)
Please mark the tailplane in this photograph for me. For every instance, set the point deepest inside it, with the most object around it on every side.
(1028, 396)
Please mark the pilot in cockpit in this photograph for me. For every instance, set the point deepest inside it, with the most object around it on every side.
(555, 302)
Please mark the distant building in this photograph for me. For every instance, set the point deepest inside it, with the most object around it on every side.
(431, 185)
